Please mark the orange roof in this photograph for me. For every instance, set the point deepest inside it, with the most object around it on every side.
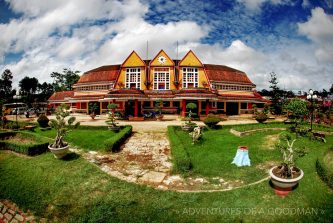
(61, 95)
(226, 74)
(104, 73)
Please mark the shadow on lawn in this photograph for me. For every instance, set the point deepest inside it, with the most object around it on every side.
(71, 156)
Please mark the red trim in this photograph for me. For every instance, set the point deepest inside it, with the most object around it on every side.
(183, 107)
(136, 108)
(207, 107)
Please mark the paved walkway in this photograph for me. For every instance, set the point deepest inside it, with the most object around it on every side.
(10, 213)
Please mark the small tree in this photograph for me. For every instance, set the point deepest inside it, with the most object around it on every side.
(92, 110)
(190, 107)
(298, 109)
(111, 115)
(289, 156)
(158, 107)
(59, 124)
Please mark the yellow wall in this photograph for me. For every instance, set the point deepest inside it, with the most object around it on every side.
(168, 62)
(133, 60)
(202, 77)
(172, 78)
(190, 60)
(122, 78)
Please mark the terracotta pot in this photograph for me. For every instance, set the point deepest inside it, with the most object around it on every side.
(59, 153)
(282, 182)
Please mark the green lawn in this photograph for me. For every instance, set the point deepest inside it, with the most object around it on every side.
(213, 155)
(87, 138)
(246, 127)
(77, 191)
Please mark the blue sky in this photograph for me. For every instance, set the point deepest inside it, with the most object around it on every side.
(292, 38)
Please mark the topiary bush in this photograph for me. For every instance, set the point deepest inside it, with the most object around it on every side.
(43, 121)
(261, 117)
(211, 121)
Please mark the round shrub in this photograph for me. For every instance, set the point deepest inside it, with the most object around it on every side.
(43, 121)
(211, 121)
(261, 118)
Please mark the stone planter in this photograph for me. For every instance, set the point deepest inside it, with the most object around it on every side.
(284, 183)
(59, 153)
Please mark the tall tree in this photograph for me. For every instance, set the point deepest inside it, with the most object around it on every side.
(64, 81)
(28, 85)
(6, 81)
(331, 89)
(276, 107)
(45, 90)
(28, 88)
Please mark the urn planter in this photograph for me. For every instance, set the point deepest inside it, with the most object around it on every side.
(59, 153)
(282, 182)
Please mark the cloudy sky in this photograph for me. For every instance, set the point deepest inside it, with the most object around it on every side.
(293, 38)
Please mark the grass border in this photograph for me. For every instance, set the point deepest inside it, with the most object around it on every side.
(113, 144)
(39, 147)
(323, 171)
(183, 162)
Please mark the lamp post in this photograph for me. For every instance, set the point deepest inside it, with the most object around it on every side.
(17, 96)
(311, 97)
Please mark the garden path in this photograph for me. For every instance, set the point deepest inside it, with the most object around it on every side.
(9, 212)
(145, 159)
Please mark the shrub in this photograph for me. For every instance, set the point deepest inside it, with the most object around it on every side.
(211, 121)
(181, 160)
(38, 147)
(113, 144)
(43, 121)
(261, 117)
(324, 172)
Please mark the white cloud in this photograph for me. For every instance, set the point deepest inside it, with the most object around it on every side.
(256, 4)
(319, 29)
(70, 35)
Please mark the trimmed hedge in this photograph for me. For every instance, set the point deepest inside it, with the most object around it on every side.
(38, 147)
(324, 172)
(212, 120)
(113, 144)
(181, 159)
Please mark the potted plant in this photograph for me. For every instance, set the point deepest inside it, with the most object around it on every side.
(287, 175)
(189, 125)
(59, 147)
(158, 110)
(92, 110)
(112, 124)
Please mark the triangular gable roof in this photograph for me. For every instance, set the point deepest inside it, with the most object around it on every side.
(168, 62)
(190, 60)
(133, 60)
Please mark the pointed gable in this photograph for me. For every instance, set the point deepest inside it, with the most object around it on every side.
(190, 60)
(162, 59)
(133, 60)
